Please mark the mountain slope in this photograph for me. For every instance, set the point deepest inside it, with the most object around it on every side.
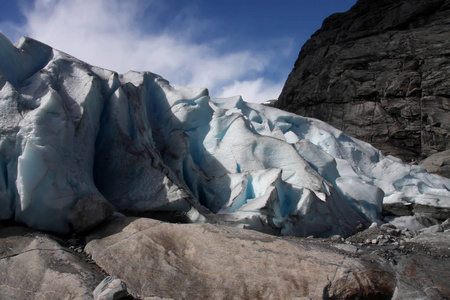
(379, 72)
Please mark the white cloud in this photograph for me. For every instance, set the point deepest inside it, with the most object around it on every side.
(110, 34)
(259, 90)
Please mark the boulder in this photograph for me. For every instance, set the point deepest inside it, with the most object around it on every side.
(420, 259)
(205, 261)
(379, 72)
(111, 288)
(34, 265)
(438, 163)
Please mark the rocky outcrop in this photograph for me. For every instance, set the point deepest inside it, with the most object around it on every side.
(203, 261)
(36, 266)
(379, 72)
(207, 261)
(419, 258)
(140, 258)
(438, 163)
(111, 288)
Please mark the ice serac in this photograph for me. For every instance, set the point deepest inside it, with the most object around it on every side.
(51, 158)
(78, 142)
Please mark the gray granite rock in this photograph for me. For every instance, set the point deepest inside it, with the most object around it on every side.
(160, 260)
(414, 209)
(379, 72)
(34, 265)
(420, 259)
(438, 163)
(111, 288)
(204, 261)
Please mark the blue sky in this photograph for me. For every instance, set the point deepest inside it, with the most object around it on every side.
(231, 47)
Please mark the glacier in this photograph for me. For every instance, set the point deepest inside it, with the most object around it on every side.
(78, 142)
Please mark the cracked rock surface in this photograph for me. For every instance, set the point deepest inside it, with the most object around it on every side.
(379, 72)
(159, 260)
(35, 266)
(204, 261)
(421, 259)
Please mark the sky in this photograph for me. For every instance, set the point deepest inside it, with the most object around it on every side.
(231, 47)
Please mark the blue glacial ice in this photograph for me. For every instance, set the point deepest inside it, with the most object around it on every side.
(78, 142)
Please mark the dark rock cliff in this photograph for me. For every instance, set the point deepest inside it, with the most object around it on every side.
(379, 72)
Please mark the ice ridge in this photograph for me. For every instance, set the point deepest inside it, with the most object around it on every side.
(78, 142)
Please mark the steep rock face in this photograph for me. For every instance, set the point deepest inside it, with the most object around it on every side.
(379, 72)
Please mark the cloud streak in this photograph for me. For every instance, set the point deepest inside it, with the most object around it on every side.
(111, 34)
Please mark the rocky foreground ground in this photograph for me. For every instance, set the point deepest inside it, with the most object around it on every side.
(143, 258)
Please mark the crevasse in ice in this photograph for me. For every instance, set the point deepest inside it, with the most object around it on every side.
(77, 141)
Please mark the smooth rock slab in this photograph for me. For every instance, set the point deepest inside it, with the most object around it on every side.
(204, 261)
(34, 266)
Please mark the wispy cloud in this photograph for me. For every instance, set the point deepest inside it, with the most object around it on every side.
(113, 34)
(253, 90)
